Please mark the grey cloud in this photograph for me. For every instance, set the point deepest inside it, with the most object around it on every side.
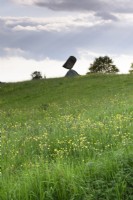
(89, 5)
(106, 16)
(102, 8)
(70, 5)
(109, 38)
(36, 45)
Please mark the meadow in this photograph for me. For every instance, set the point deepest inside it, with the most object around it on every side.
(67, 139)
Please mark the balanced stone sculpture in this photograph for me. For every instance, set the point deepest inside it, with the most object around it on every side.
(69, 65)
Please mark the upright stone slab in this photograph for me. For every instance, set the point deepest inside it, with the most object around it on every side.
(70, 62)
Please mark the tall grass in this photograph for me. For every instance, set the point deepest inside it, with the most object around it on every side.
(67, 139)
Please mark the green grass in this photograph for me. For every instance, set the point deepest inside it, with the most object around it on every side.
(67, 139)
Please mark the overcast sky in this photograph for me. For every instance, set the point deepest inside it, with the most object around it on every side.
(42, 34)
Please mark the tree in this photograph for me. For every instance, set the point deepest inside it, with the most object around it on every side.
(103, 65)
(131, 69)
(36, 75)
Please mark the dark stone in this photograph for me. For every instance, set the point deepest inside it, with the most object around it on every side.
(71, 73)
(70, 62)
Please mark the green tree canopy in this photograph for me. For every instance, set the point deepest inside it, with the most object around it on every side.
(131, 69)
(36, 75)
(103, 65)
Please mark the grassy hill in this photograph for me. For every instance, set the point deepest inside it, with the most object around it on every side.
(67, 139)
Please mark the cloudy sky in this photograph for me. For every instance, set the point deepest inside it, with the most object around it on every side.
(41, 34)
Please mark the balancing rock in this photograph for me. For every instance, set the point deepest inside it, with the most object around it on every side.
(70, 62)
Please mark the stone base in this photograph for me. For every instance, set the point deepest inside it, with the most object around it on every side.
(71, 73)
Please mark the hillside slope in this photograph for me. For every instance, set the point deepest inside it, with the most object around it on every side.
(67, 138)
(64, 89)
